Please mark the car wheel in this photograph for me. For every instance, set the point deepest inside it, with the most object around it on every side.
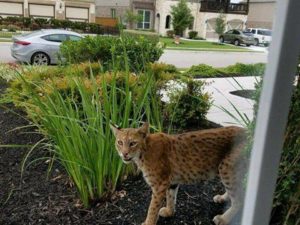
(221, 39)
(248, 45)
(236, 42)
(40, 58)
(256, 41)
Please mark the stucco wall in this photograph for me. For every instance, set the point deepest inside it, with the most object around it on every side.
(261, 14)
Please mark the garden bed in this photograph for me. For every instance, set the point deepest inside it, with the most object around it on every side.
(38, 199)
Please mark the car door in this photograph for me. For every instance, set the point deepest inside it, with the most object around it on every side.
(53, 43)
(227, 35)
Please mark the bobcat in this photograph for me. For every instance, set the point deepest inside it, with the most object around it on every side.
(170, 160)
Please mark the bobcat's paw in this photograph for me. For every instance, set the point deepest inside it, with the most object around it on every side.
(165, 212)
(219, 220)
(219, 199)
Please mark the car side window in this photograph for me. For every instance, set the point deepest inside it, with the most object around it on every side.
(260, 32)
(229, 32)
(55, 37)
(236, 32)
(253, 31)
(73, 37)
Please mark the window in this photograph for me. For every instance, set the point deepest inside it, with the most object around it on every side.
(264, 32)
(113, 13)
(168, 21)
(236, 32)
(73, 38)
(145, 19)
(55, 37)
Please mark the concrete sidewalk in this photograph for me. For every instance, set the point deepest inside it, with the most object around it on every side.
(220, 89)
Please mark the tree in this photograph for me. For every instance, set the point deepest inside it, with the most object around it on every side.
(220, 24)
(131, 18)
(181, 17)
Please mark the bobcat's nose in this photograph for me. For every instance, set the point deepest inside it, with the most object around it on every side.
(125, 155)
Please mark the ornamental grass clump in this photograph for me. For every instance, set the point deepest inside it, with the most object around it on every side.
(77, 124)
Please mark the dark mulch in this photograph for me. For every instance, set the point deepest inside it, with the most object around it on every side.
(38, 199)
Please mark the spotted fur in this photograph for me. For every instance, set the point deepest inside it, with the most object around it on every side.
(170, 160)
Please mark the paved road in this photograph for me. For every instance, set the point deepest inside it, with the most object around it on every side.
(185, 59)
(182, 59)
(5, 52)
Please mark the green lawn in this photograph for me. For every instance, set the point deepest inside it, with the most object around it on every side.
(4, 34)
(199, 45)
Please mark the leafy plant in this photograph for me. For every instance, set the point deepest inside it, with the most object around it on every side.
(181, 17)
(131, 17)
(139, 50)
(74, 113)
(170, 33)
(188, 105)
(202, 70)
(245, 69)
(220, 24)
(193, 34)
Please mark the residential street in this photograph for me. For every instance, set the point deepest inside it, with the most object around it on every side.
(182, 59)
(185, 59)
(5, 53)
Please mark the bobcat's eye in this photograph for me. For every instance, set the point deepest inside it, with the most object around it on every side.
(132, 144)
(120, 142)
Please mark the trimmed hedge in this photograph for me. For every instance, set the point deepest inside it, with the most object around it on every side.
(114, 53)
(25, 23)
(239, 69)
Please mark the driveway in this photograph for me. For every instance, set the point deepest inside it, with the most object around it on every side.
(185, 59)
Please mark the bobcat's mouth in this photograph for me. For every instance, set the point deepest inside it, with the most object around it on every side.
(126, 160)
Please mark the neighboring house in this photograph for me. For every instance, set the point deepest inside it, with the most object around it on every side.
(112, 8)
(145, 8)
(205, 13)
(76, 10)
(261, 13)
(116, 9)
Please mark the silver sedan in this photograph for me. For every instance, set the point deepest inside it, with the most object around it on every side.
(41, 47)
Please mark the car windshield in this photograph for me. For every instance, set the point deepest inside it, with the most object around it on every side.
(265, 32)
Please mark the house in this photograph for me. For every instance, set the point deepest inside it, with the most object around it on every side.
(112, 9)
(205, 13)
(76, 10)
(261, 13)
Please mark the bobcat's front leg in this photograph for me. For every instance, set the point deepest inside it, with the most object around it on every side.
(155, 204)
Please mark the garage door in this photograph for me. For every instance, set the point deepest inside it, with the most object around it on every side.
(37, 10)
(9, 8)
(235, 24)
(210, 29)
(75, 13)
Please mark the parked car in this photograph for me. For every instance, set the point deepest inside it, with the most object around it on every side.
(261, 36)
(41, 47)
(237, 37)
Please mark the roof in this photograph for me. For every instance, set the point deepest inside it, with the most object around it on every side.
(262, 1)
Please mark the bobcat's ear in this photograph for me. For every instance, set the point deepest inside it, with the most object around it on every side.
(144, 130)
(115, 129)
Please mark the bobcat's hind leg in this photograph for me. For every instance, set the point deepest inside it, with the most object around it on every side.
(231, 171)
(171, 197)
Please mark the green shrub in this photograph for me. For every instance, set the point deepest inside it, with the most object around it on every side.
(134, 52)
(188, 105)
(202, 70)
(193, 34)
(245, 69)
(170, 33)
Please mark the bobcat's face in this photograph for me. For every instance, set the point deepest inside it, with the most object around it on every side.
(130, 142)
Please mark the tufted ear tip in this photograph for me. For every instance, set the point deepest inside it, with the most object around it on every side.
(115, 129)
(144, 129)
